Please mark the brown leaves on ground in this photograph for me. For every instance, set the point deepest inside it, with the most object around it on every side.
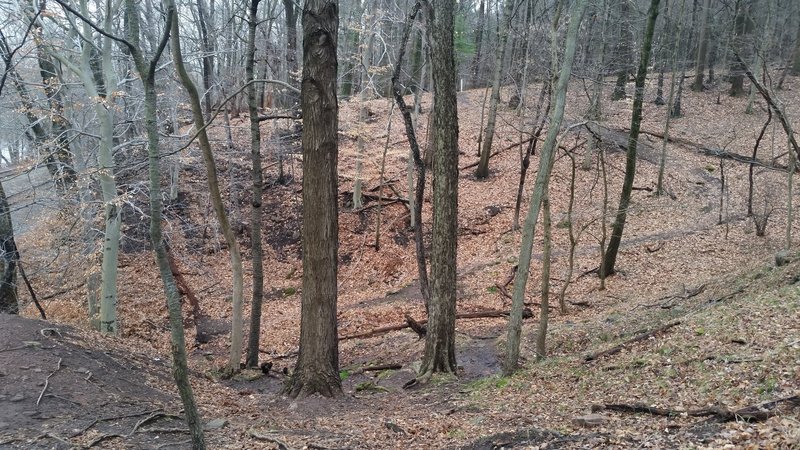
(737, 343)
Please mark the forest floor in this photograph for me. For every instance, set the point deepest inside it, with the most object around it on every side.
(713, 323)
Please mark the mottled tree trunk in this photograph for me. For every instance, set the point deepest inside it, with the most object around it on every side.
(440, 345)
(317, 369)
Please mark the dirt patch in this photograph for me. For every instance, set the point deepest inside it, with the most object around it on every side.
(58, 392)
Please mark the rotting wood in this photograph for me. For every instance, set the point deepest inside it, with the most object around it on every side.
(380, 367)
(486, 314)
(639, 337)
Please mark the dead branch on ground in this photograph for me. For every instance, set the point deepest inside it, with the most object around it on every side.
(527, 313)
(637, 338)
(720, 413)
(47, 381)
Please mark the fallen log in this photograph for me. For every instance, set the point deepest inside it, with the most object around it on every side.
(698, 147)
(720, 413)
(419, 325)
(637, 338)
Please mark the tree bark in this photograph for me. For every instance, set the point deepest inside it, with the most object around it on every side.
(419, 190)
(317, 369)
(147, 70)
(610, 257)
(216, 199)
(57, 147)
(494, 99)
(258, 180)
(476, 61)
(702, 51)
(540, 187)
(8, 272)
(743, 28)
(622, 51)
(544, 311)
(440, 343)
(291, 49)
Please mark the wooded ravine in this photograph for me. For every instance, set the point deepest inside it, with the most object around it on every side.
(434, 224)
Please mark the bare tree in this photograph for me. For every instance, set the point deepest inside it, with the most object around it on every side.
(610, 257)
(540, 187)
(440, 342)
(317, 368)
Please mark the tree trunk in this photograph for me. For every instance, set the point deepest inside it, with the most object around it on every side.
(207, 47)
(476, 61)
(108, 185)
(365, 57)
(317, 368)
(502, 39)
(216, 199)
(440, 342)
(544, 311)
(622, 51)
(796, 55)
(8, 271)
(58, 155)
(291, 49)
(743, 28)
(180, 370)
(419, 191)
(702, 50)
(540, 187)
(255, 225)
(671, 100)
(610, 257)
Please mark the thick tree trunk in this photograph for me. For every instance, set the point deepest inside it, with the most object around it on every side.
(440, 342)
(476, 60)
(291, 49)
(488, 138)
(216, 199)
(317, 368)
(743, 28)
(610, 257)
(622, 51)
(702, 50)
(540, 188)
(255, 225)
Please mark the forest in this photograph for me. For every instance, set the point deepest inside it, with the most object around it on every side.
(332, 224)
